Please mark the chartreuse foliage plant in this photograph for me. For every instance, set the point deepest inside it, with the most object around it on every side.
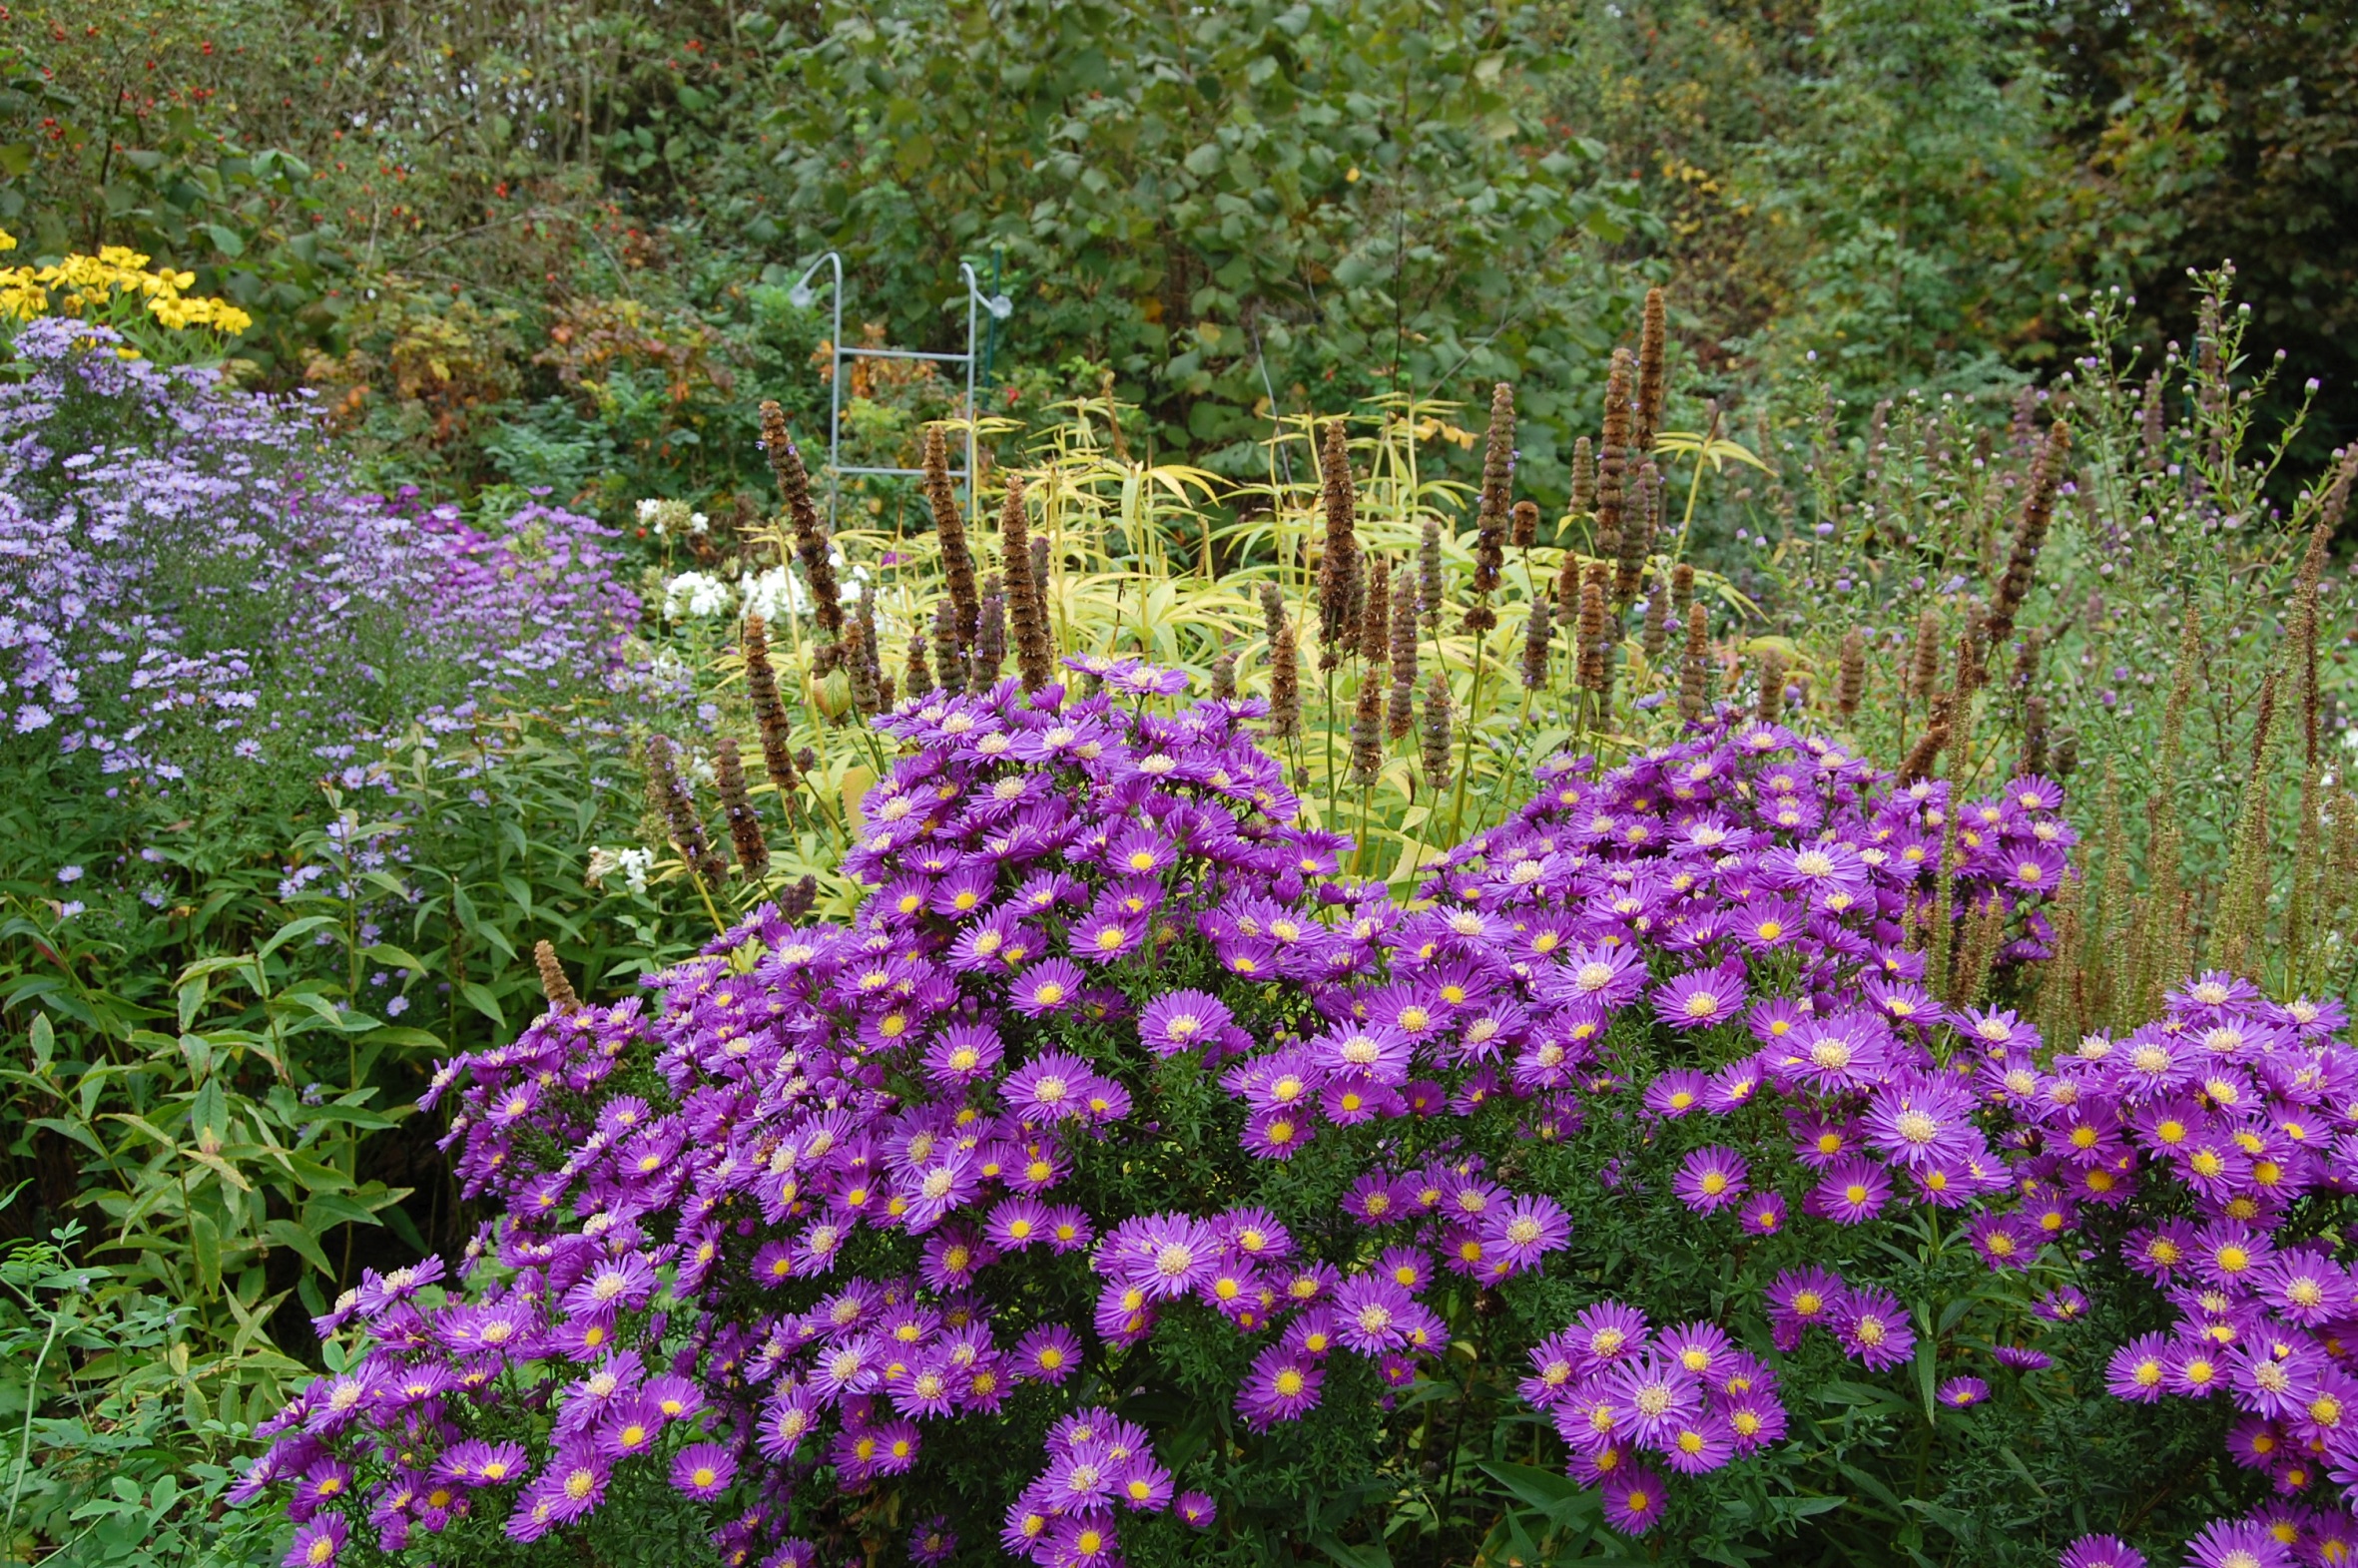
(1122, 1180)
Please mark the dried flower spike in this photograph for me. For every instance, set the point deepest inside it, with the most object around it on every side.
(1850, 680)
(811, 547)
(736, 809)
(1400, 715)
(949, 529)
(1695, 668)
(1035, 662)
(1653, 350)
(761, 687)
(1338, 563)
(562, 998)
(1284, 684)
(1438, 739)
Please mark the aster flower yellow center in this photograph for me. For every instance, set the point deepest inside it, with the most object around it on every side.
(1681, 1099)
(1808, 1304)
(1290, 1382)
(1375, 1317)
(321, 1551)
(1869, 1329)
(1830, 1056)
(1524, 1230)
(1048, 993)
(1701, 1004)
(580, 1483)
(2209, 1162)
(1594, 976)
(1916, 1127)
(1690, 1441)
(1714, 1182)
(1607, 1341)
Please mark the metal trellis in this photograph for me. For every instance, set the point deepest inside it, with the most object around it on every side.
(979, 304)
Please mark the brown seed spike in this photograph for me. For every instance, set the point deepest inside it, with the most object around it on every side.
(1523, 530)
(2039, 506)
(1284, 684)
(1337, 565)
(1035, 664)
(1375, 615)
(1537, 639)
(1694, 669)
(1438, 739)
(1651, 352)
(1849, 683)
(1613, 459)
(761, 688)
(736, 809)
(562, 998)
(949, 529)
(1583, 478)
(811, 548)
(1399, 716)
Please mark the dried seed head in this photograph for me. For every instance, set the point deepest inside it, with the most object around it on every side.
(1491, 520)
(2038, 505)
(1653, 350)
(761, 688)
(1637, 533)
(736, 809)
(1584, 477)
(1537, 638)
(1375, 612)
(798, 899)
(1400, 717)
(1337, 565)
(811, 548)
(1613, 459)
(1367, 731)
(1918, 762)
(1438, 738)
(1850, 682)
(1284, 684)
(1224, 677)
(1770, 667)
(1694, 670)
(990, 634)
(677, 805)
(1523, 530)
(1682, 590)
(1657, 635)
(1924, 662)
(562, 999)
(1592, 672)
(950, 663)
(949, 531)
(860, 666)
(1035, 663)
(917, 675)
(1429, 582)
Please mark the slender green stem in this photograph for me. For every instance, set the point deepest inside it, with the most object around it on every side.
(1482, 644)
(24, 1450)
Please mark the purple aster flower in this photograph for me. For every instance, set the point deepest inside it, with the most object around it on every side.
(1799, 1297)
(1657, 1393)
(1052, 985)
(1182, 1021)
(2100, 1551)
(2237, 1544)
(964, 1054)
(2021, 1358)
(1698, 1444)
(318, 1542)
(1851, 1192)
(1196, 1510)
(1922, 1121)
(703, 1470)
(1281, 1386)
(1960, 1392)
(1052, 1085)
(1370, 1312)
(1048, 1354)
(1873, 1329)
(1633, 1501)
(1764, 1214)
(1173, 1254)
(1524, 1230)
(2002, 1240)
(1701, 998)
(933, 1542)
(1675, 1093)
(1710, 1179)
(1605, 1333)
(2140, 1369)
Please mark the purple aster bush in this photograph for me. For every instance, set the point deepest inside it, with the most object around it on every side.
(189, 588)
(940, 1214)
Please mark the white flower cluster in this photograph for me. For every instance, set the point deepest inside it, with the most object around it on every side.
(696, 595)
(665, 518)
(631, 864)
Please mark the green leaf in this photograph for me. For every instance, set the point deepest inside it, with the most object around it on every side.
(302, 1242)
(480, 998)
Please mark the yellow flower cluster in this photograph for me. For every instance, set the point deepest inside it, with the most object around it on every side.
(88, 286)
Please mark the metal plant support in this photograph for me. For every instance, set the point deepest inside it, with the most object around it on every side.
(997, 306)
